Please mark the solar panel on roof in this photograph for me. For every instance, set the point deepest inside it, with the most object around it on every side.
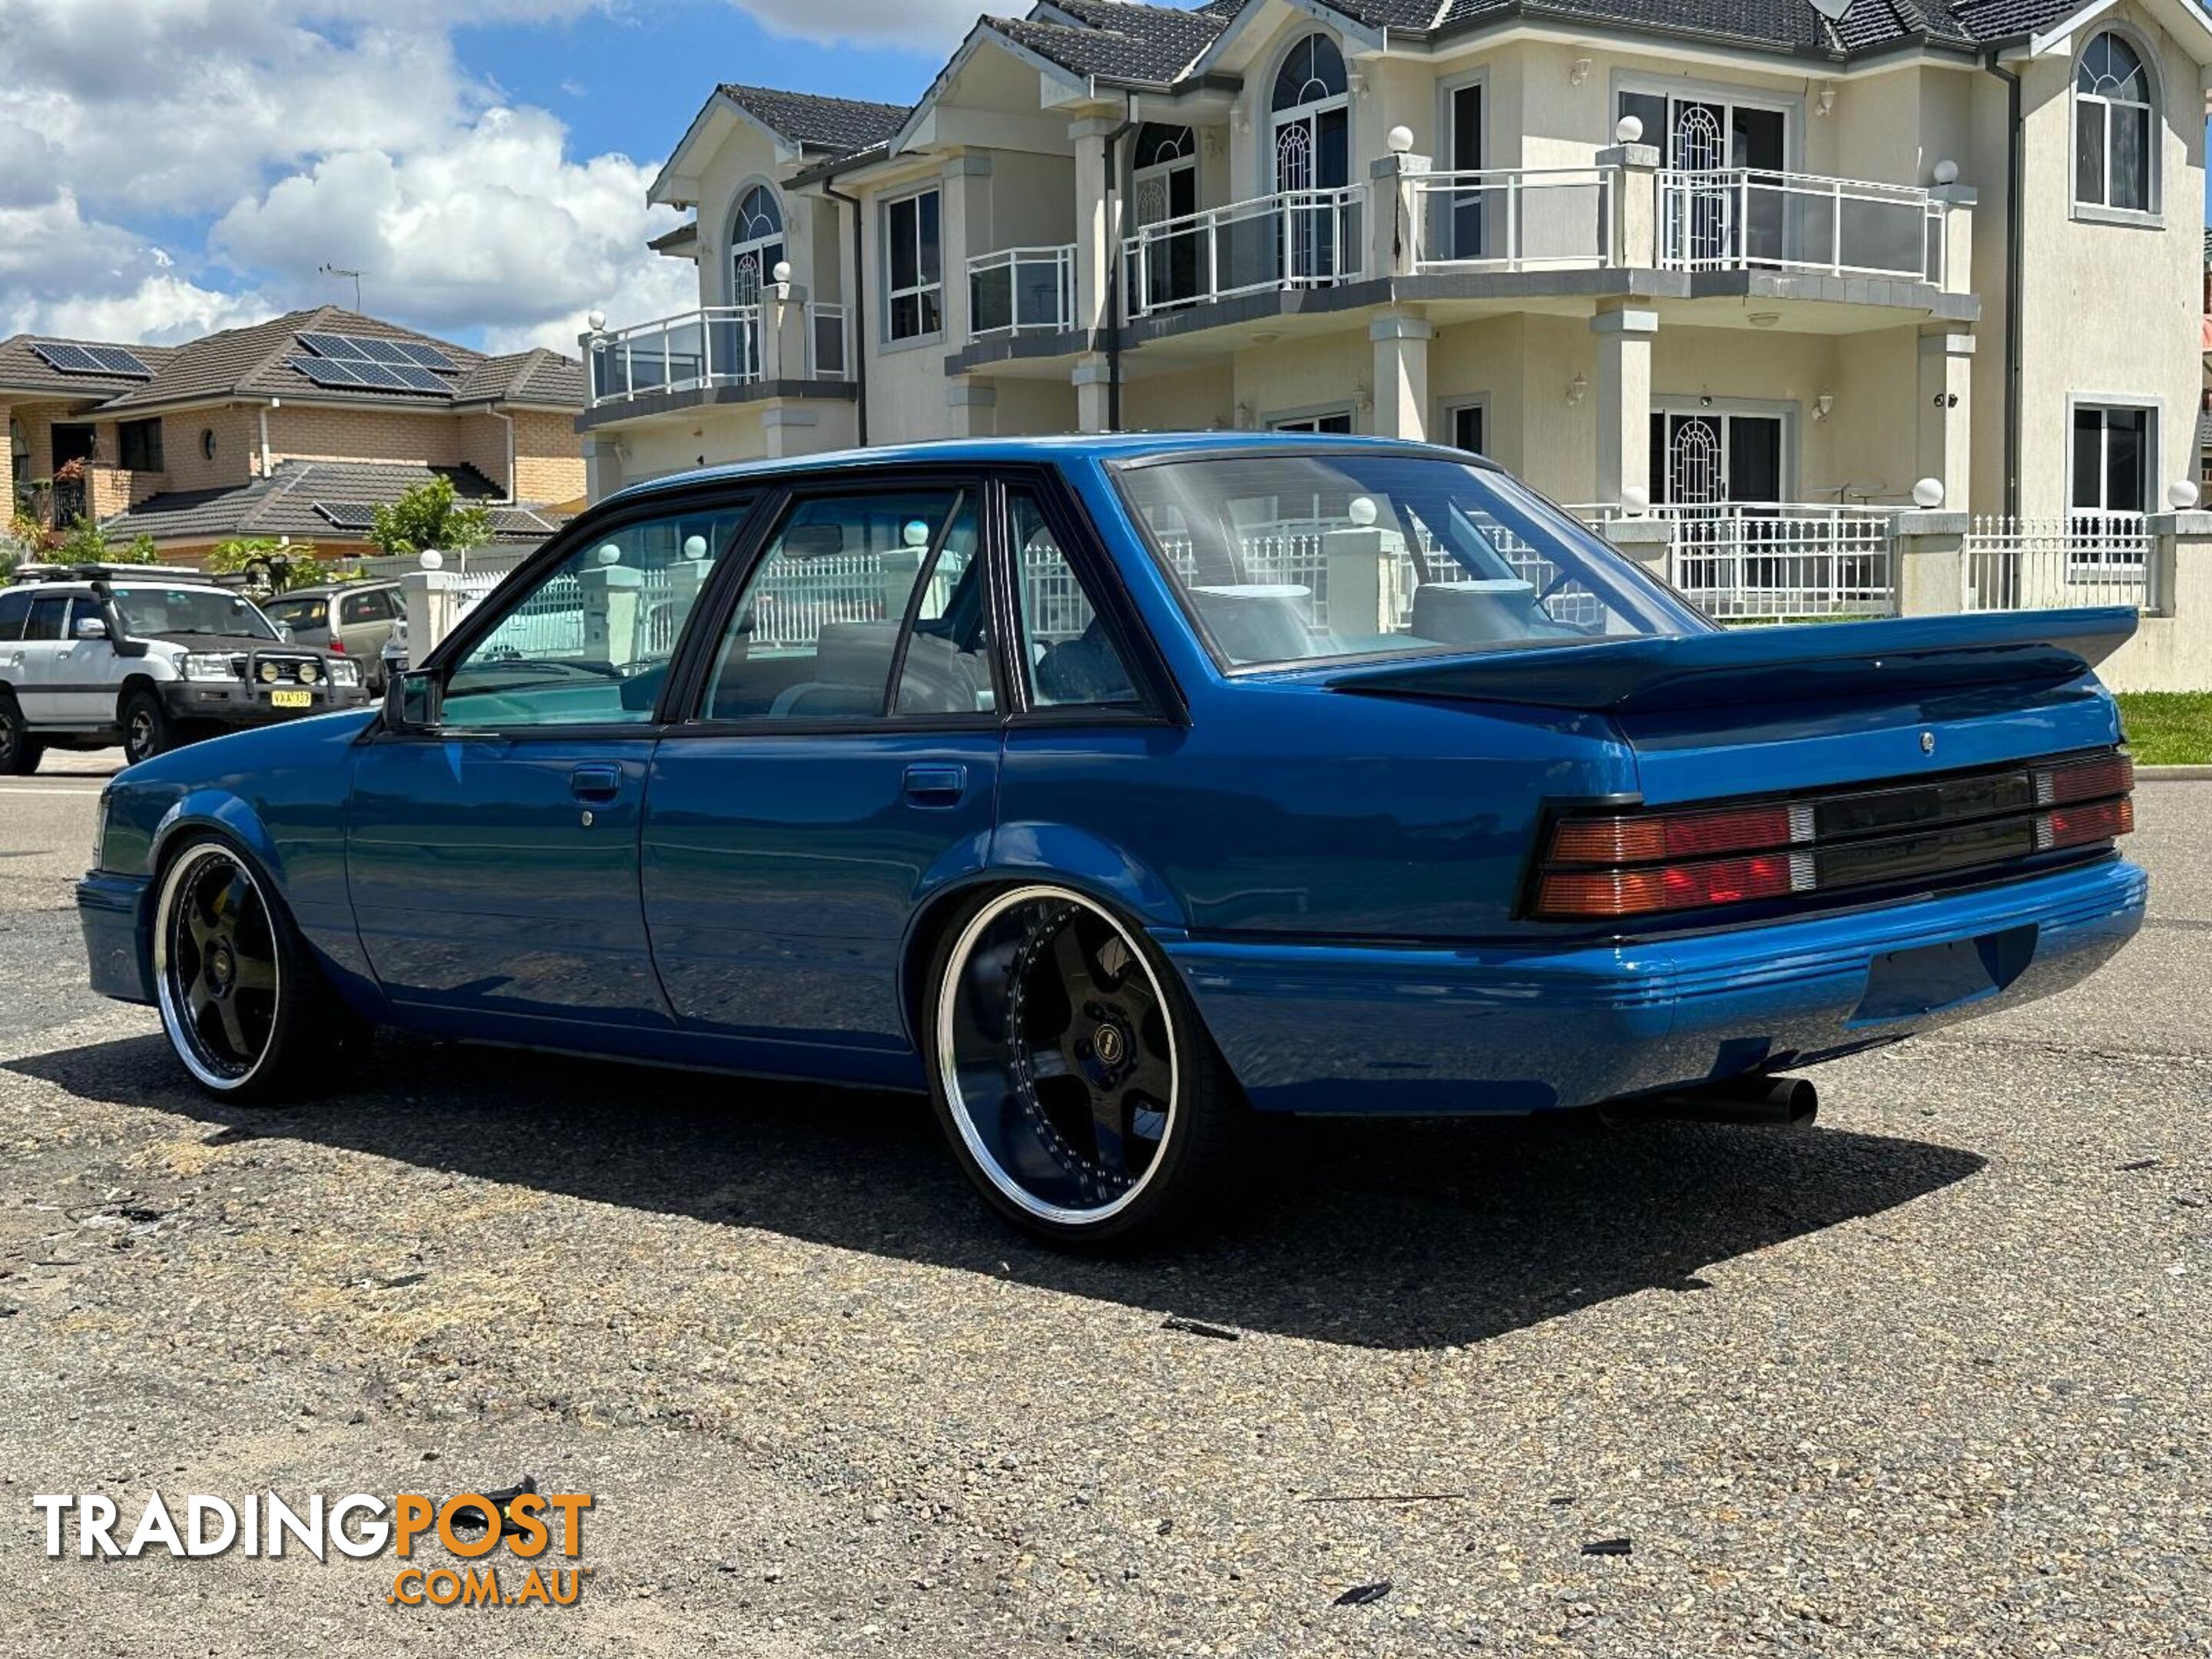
(380, 351)
(332, 346)
(68, 359)
(326, 371)
(428, 356)
(377, 375)
(421, 379)
(347, 515)
(116, 360)
(323, 371)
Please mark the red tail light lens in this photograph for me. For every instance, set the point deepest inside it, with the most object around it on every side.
(1674, 835)
(2078, 826)
(2086, 780)
(1673, 887)
(337, 645)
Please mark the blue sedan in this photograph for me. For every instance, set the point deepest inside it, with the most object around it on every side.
(1113, 790)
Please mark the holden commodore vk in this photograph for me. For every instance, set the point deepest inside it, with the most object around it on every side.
(1113, 789)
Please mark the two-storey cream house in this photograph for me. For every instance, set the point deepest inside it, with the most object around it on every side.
(1645, 252)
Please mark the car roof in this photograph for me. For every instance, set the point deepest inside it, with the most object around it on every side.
(331, 590)
(1061, 450)
(66, 588)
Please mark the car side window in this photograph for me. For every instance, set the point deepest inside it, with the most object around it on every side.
(850, 588)
(48, 617)
(1071, 657)
(588, 641)
(14, 607)
(354, 608)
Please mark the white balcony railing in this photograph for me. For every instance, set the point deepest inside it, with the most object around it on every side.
(1516, 219)
(1742, 219)
(828, 357)
(1297, 239)
(1022, 291)
(717, 346)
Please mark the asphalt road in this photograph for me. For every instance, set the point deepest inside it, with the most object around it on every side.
(1931, 1378)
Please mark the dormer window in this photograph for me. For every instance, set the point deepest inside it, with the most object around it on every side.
(2114, 118)
(756, 245)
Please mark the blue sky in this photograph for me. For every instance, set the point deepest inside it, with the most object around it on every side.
(632, 83)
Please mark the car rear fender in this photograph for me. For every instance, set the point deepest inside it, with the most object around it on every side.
(1021, 853)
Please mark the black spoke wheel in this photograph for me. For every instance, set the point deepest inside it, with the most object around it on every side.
(147, 729)
(1073, 1077)
(216, 956)
(19, 752)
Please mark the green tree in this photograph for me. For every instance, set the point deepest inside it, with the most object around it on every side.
(429, 515)
(84, 544)
(273, 567)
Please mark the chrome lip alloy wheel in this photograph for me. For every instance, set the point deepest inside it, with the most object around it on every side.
(1058, 1056)
(215, 966)
(138, 741)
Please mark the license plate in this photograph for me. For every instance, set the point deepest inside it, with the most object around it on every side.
(291, 700)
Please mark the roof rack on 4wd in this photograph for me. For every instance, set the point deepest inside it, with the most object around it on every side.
(102, 572)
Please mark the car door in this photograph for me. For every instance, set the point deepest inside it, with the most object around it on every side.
(840, 764)
(15, 611)
(85, 683)
(492, 860)
(37, 658)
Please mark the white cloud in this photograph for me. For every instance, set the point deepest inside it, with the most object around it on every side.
(303, 131)
(923, 25)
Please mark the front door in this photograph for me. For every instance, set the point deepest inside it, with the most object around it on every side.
(842, 764)
(1164, 189)
(493, 862)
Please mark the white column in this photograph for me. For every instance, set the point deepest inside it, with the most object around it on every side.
(1395, 230)
(1624, 398)
(974, 406)
(1958, 236)
(1944, 451)
(1093, 408)
(1094, 233)
(1930, 550)
(1401, 375)
(966, 220)
(611, 593)
(1635, 186)
(603, 473)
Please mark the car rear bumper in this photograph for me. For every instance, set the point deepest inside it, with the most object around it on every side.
(113, 910)
(1327, 1028)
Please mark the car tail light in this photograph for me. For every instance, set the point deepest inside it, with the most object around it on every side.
(1642, 864)
(337, 645)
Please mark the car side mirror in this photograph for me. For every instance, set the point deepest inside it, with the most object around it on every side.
(412, 702)
(91, 628)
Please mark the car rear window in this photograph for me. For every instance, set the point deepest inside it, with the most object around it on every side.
(1356, 552)
(300, 613)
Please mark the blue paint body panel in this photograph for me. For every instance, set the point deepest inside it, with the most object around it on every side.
(1334, 857)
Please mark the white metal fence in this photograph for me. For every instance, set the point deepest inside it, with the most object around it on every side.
(1743, 219)
(2044, 564)
(1515, 219)
(1779, 565)
(719, 345)
(1296, 238)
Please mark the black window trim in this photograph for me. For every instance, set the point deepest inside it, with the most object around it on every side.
(722, 599)
(708, 496)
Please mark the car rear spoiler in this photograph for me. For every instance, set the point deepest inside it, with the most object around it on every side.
(1906, 656)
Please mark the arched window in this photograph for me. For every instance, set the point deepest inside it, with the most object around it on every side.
(2114, 119)
(1312, 74)
(756, 244)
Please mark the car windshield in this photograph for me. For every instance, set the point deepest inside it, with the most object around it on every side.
(170, 613)
(1284, 558)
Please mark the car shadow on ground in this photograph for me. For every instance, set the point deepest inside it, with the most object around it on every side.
(1384, 1234)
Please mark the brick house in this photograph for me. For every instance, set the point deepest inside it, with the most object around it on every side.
(299, 427)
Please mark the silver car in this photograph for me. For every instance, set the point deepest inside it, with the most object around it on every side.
(353, 618)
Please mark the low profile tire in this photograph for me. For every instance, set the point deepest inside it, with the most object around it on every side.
(147, 731)
(246, 1009)
(1073, 1077)
(20, 752)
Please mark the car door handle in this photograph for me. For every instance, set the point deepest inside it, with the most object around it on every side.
(595, 783)
(936, 785)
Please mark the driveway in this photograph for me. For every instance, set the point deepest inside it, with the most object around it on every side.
(1931, 1378)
